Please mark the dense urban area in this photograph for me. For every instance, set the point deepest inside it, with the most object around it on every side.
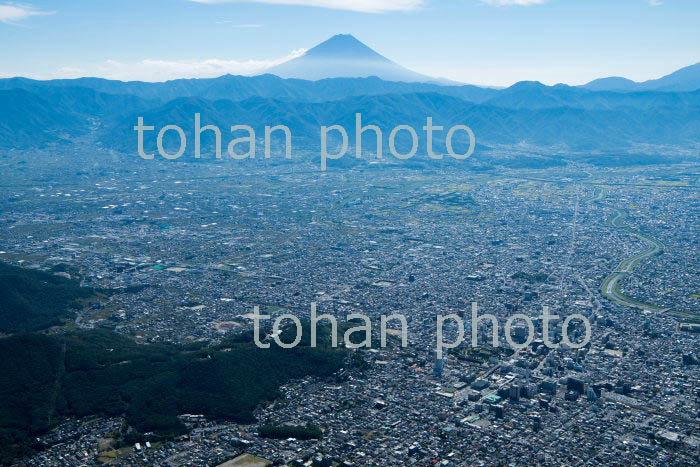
(179, 254)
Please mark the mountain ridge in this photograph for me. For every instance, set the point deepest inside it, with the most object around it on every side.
(38, 113)
(682, 80)
(569, 128)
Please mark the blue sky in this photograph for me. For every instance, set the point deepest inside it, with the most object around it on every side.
(493, 42)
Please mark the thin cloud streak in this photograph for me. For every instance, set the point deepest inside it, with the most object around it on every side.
(362, 6)
(514, 2)
(163, 70)
(11, 13)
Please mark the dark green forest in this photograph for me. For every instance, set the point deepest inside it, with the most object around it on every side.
(31, 300)
(44, 379)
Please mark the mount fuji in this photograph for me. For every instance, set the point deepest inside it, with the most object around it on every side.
(343, 56)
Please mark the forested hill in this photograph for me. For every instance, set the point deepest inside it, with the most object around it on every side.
(41, 113)
(32, 300)
(44, 379)
(47, 378)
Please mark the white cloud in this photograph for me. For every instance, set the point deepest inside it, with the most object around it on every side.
(655, 2)
(514, 2)
(14, 12)
(163, 70)
(364, 6)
